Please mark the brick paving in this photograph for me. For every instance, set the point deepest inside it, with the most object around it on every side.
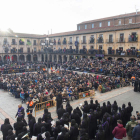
(8, 104)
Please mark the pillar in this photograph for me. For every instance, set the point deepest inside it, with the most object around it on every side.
(52, 58)
(68, 57)
(31, 58)
(25, 58)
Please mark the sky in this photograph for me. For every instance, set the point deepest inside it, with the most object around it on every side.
(42, 16)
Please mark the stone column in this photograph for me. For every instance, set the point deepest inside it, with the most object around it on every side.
(68, 57)
(52, 58)
(25, 58)
(31, 58)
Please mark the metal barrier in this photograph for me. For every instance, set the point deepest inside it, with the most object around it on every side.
(43, 105)
(86, 94)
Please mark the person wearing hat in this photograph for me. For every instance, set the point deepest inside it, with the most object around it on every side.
(136, 130)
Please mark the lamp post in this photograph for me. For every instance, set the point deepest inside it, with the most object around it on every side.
(6, 49)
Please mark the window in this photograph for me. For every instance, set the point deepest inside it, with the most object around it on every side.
(21, 50)
(28, 50)
(5, 41)
(35, 49)
(70, 39)
(77, 39)
(13, 42)
(78, 27)
(108, 23)
(85, 26)
(92, 25)
(119, 22)
(130, 20)
(100, 24)
(84, 39)
(34, 42)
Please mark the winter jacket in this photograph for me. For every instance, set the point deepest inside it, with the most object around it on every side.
(129, 127)
(119, 131)
(136, 133)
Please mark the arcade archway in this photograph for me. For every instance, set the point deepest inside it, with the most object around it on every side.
(14, 58)
(28, 57)
(21, 58)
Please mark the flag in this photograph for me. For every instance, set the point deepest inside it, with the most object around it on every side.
(28, 42)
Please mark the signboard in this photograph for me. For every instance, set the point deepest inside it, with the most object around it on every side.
(99, 55)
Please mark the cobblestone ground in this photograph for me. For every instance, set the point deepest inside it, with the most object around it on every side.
(8, 104)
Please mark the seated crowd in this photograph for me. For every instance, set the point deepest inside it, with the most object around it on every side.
(90, 121)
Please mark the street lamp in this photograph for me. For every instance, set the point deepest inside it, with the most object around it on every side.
(6, 49)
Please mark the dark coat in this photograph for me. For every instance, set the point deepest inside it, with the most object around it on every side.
(5, 127)
(136, 133)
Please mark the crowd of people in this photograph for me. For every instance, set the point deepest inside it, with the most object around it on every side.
(87, 122)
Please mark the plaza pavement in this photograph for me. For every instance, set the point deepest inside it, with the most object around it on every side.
(9, 104)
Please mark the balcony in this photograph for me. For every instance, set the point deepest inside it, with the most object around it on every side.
(64, 42)
(109, 41)
(21, 43)
(54, 43)
(5, 42)
(13, 51)
(120, 40)
(14, 43)
(91, 41)
(70, 42)
(130, 40)
(59, 43)
(35, 44)
(100, 40)
(84, 42)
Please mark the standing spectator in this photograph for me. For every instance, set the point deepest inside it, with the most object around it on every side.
(136, 131)
(130, 126)
(5, 127)
(119, 131)
(59, 100)
(20, 112)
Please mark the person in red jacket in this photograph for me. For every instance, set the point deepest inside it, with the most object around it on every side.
(119, 131)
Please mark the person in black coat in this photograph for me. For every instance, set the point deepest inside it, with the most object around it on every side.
(60, 112)
(57, 129)
(45, 115)
(109, 107)
(31, 122)
(92, 125)
(76, 117)
(85, 107)
(92, 105)
(115, 106)
(69, 108)
(65, 119)
(59, 101)
(136, 85)
(41, 136)
(74, 132)
(37, 127)
(25, 131)
(48, 136)
(79, 111)
(100, 135)
(96, 103)
(5, 127)
(83, 134)
(104, 108)
(18, 126)
(11, 135)
(129, 111)
(124, 112)
(64, 135)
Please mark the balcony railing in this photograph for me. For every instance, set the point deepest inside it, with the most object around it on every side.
(109, 41)
(100, 41)
(120, 40)
(59, 43)
(14, 43)
(35, 44)
(130, 40)
(21, 43)
(54, 43)
(91, 41)
(64, 42)
(70, 42)
(84, 42)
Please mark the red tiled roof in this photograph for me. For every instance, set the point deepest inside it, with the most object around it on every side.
(107, 18)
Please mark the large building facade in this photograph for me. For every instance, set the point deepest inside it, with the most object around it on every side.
(117, 36)
(113, 37)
